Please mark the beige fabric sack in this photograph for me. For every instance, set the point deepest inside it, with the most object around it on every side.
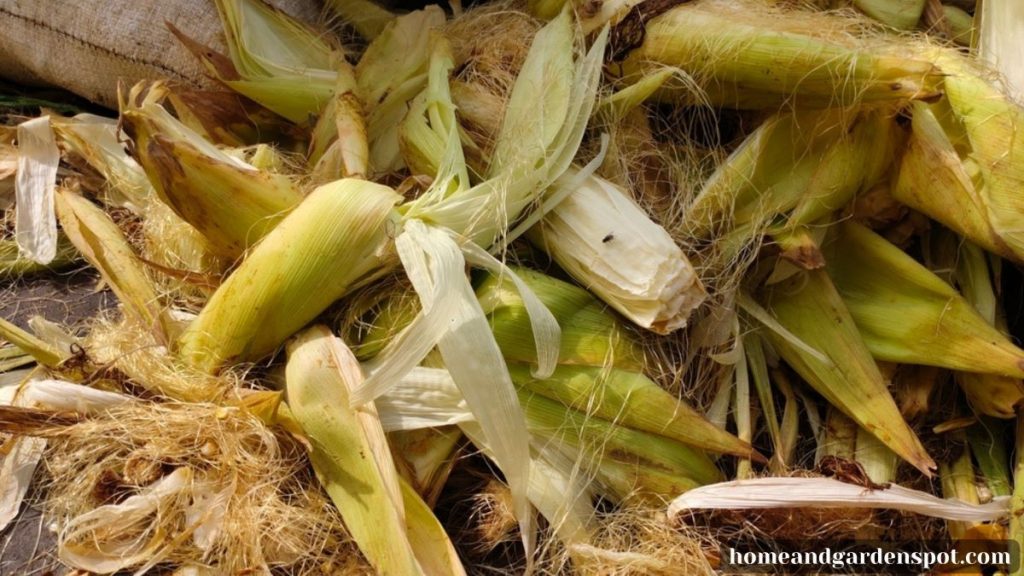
(87, 46)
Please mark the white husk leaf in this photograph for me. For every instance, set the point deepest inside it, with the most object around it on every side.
(761, 493)
(425, 398)
(207, 510)
(472, 357)
(610, 245)
(22, 457)
(35, 182)
(105, 555)
(1002, 25)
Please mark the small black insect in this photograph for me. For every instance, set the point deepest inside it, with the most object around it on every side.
(608, 238)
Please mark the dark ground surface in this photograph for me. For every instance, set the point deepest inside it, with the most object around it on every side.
(27, 546)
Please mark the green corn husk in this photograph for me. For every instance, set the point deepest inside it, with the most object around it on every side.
(228, 201)
(335, 239)
(13, 265)
(843, 371)
(986, 439)
(631, 400)
(797, 169)
(902, 14)
(40, 350)
(988, 394)
(590, 335)
(275, 60)
(741, 61)
(963, 163)
(961, 25)
(907, 314)
(351, 459)
(878, 461)
(838, 437)
(589, 434)
(958, 481)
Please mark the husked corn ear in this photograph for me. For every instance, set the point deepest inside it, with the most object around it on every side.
(631, 400)
(608, 244)
(590, 335)
(810, 308)
(907, 314)
(337, 238)
(740, 61)
(229, 201)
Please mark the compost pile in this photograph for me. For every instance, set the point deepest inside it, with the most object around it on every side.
(552, 287)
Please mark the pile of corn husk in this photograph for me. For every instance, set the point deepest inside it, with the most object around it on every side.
(527, 287)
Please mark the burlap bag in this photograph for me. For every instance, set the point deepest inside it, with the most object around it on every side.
(87, 46)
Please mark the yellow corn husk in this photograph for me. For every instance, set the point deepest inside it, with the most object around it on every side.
(838, 436)
(335, 239)
(740, 59)
(988, 394)
(902, 14)
(962, 165)
(878, 461)
(590, 335)
(958, 482)
(351, 459)
(424, 133)
(602, 440)
(391, 72)
(800, 167)
(101, 242)
(275, 60)
(367, 17)
(42, 352)
(630, 399)
(907, 314)
(12, 264)
(608, 244)
(528, 155)
(339, 147)
(425, 458)
(229, 201)
(843, 371)
(228, 119)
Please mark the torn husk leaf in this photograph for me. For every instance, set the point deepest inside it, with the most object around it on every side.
(339, 147)
(229, 201)
(349, 451)
(907, 314)
(850, 379)
(334, 239)
(760, 493)
(366, 16)
(101, 242)
(34, 185)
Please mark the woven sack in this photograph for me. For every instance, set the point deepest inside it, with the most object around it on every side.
(87, 46)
